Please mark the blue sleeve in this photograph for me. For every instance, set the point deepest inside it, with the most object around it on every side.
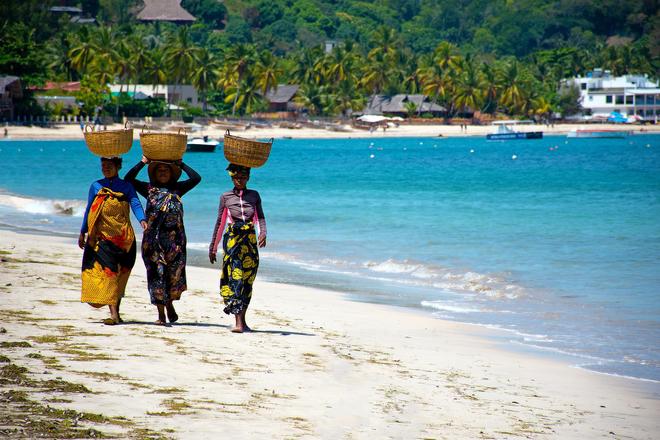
(90, 198)
(136, 206)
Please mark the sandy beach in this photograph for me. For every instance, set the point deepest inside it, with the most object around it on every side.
(316, 366)
(72, 131)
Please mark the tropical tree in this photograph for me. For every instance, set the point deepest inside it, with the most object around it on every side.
(180, 55)
(267, 71)
(345, 99)
(469, 91)
(82, 50)
(512, 86)
(238, 60)
(312, 97)
(206, 74)
(245, 96)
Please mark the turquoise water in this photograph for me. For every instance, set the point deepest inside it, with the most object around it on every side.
(560, 246)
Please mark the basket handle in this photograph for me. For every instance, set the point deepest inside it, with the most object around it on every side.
(90, 126)
(145, 127)
(227, 133)
(126, 124)
(184, 131)
(271, 141)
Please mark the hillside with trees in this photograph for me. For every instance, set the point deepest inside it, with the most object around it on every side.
(479, 55)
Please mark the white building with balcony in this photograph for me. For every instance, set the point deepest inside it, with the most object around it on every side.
(601, 94)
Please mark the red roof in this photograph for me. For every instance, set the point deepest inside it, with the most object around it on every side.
(73, 86)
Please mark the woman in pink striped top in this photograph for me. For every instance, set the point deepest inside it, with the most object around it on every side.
(240, 210)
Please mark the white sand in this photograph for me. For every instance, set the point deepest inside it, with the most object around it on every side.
(317, 366)
(72, 131)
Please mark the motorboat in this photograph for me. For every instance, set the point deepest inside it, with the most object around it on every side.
(599, 133)
(506, 130)
(202, 145)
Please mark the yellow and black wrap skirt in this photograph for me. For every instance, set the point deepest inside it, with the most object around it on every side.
(239, 266)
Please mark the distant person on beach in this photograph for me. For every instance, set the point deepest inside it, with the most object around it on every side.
(164, 240)
(240, 208)
(108, 239)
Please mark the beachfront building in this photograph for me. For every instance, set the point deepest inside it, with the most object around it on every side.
(165, 10)
(402, 105)
(10, 90)
(280, 99)
(601, 94)
(172, 94)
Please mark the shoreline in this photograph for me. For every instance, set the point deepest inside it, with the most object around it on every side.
(73, 132)
(505, 337)
(314, 368)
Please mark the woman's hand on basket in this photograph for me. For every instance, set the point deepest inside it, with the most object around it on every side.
(81, 240)
(144, 159)
(262, 241)
(144, 224)
(212, 257)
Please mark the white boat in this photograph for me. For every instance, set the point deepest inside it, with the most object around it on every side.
(602, 133)
(202, 145)
(505, 130)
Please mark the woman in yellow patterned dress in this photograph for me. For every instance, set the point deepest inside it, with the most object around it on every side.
(108, 239)
(241, 209)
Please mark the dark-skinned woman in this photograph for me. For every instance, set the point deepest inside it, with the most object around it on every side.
(164, 241)
(108, 239)
(240, 209)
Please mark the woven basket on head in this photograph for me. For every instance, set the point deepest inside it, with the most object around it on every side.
(163, 146)
(246, 152)
(108, 143)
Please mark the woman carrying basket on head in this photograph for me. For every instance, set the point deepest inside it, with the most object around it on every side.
(108, 239)
(164, 241)
(240, 208)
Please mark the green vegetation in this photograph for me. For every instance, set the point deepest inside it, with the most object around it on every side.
(475, 55)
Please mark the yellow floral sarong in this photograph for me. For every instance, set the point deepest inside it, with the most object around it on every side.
(109, 253)
(239, 266)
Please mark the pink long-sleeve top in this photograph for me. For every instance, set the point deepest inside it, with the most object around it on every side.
(238, 205)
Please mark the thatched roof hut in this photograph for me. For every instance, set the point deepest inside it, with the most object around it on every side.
(165, 10)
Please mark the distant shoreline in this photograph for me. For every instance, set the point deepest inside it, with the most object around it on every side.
(73, 132)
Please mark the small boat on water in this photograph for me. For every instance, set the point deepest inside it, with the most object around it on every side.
(202, 145)
(505, 131)
(602, 133)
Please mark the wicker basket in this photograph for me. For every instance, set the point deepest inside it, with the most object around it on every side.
(108, 143)
(246, 152)
(163, 146)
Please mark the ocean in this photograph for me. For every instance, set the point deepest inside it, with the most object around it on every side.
(555, 241)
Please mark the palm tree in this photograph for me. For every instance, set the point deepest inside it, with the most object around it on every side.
(469, 92)
(340, 65)
(267, 71)
(82, 50)
(304, 70)
(512, 85)
(139, 58)
(312, 97)
(491, 90)
(385, 42)
(154, 71)
(246, 95)
(346, 99)
(206, 74)
(180, 55)
(238, 61)
(376, 73)
(60, 61)
(446, 56)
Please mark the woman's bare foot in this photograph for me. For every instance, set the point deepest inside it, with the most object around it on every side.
(171, 313)
(159, 322)
(237, 330)
(110, 321)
